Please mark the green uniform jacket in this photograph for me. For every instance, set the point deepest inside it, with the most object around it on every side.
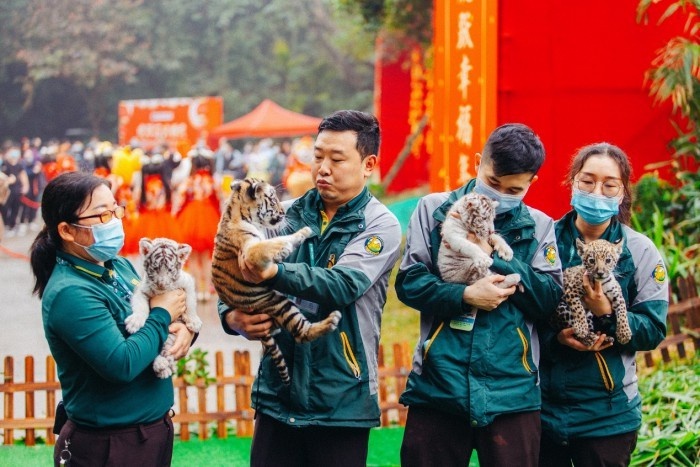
(345, 268)
(594, 394)
(492, 369)
(105, 373)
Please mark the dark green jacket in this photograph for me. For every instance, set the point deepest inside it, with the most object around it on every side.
(492, 369)
(345, 268)
(105, 373)
(594, 394)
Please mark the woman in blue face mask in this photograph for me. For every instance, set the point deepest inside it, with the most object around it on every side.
(578, 381)
(117, 410)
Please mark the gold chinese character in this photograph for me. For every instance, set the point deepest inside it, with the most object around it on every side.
(464, 38)
(464, 68)
(465, 130)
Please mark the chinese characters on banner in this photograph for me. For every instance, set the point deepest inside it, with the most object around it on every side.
(464, 87)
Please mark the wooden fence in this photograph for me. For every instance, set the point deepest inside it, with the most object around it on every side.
(191, 400)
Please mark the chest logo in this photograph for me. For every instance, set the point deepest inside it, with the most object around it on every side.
(659, 274)
(331, 261)
(374, 245)
(550, 254)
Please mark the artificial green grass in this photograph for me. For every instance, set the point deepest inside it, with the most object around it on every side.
(384, 446)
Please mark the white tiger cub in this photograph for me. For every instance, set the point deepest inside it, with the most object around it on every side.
(461, 260)
(252, 207)
(163, 260)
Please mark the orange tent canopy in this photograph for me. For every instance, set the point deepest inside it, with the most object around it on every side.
(267, 120)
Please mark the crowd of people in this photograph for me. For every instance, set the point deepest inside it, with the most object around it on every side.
(166, 193)
(492, 372)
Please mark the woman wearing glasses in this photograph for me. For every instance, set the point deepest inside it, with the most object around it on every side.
(117, 409)
(591, 410)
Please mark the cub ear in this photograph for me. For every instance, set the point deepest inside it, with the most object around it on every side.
(580, 245)
(619, 244)
(236, 186)
(251, 191)
(183, 251)
(495, 204)
(145, 245)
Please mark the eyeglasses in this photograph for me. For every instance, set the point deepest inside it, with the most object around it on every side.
(609, 188)
(108, 215)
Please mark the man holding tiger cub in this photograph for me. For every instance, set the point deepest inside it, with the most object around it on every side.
(324, 416)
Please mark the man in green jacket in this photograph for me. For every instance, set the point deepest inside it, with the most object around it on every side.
(476, 386)
(324, 417)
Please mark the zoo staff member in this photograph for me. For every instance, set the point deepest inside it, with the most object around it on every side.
(116, 406)
(324, 417)
(477, 387)
(591, 409)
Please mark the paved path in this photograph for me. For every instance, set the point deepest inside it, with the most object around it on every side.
(21, 330)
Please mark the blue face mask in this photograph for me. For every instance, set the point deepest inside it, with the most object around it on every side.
(109, 240)
(594, 209)
(505, 202)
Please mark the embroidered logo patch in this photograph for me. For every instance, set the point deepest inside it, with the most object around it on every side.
(134, 282)
(659, 274)
(331, 261)
(550, 253)
(374, 245)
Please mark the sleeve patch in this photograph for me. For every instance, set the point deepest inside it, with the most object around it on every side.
(374, 245)
(550, 253)
(659, 273)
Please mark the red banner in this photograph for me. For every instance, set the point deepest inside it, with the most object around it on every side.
(180, 121)
(464, 102)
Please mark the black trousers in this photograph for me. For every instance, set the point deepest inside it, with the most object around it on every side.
(280, 445)
(433, 438)
(140, 445)
(609, 451)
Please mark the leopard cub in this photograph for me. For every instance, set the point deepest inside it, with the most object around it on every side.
(599, 260)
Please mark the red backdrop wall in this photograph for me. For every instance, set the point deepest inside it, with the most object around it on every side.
(574, 72)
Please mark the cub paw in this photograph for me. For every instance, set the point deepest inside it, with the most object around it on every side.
(194, 324)
(305, 232)
(504, 251)
(282, 254)
(134, 322)
(162, 367)
(334, 319)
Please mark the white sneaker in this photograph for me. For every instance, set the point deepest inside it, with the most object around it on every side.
(34, 227)
(10, 233)
(22, 229)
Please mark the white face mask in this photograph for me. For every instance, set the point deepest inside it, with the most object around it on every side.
(505, 202)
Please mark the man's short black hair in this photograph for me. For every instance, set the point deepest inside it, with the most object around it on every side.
(513, 149)
(365, 125)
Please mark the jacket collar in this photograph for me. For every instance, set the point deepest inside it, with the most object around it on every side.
(86, 267)
(350, 215)
(567, 233)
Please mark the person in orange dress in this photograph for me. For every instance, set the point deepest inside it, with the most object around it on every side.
(198, 213)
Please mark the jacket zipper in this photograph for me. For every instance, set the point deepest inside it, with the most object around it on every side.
(349, 355)
(608, 381)
(526, 346)
(429, 342)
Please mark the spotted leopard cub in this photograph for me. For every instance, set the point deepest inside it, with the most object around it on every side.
(599, 260)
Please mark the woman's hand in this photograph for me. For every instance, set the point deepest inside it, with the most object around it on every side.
(249, 325)
(183, 340)
(594, 297)
(173, 301)
(566, 337)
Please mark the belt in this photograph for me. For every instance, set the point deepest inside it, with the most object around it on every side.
(125, 428)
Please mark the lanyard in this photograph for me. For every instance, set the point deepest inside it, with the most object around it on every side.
(115, 282)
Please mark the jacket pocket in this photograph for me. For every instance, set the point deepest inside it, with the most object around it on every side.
(605, 374)
(428, 342)
(526, 349)
(350, 355)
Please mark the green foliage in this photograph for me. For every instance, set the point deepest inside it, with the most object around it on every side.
(195, 367)
(404, 18)
(307, 55)
(670, 432)
(669, 213)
